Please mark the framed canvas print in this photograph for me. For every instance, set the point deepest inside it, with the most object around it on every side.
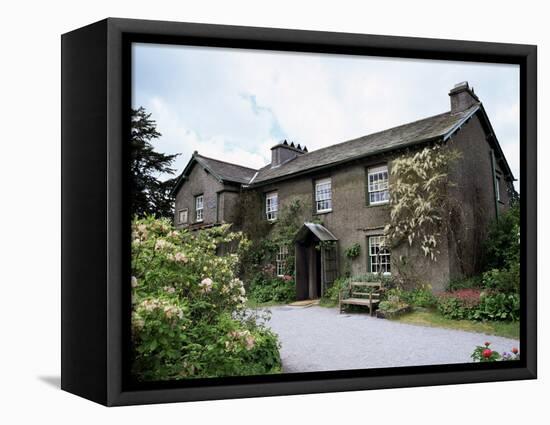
(253, 212)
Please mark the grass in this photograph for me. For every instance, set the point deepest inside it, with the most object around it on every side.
(434, 319)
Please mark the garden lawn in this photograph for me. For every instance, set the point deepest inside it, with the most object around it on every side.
(435, 319)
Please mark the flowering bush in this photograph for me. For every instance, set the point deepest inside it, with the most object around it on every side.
(483, 353)
(188, 316)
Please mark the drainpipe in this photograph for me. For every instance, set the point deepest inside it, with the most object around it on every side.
(493, 170)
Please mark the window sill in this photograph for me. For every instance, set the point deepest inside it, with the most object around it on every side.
(382, 204)
(323, 212)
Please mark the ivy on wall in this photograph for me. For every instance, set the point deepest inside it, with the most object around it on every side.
(266, 237)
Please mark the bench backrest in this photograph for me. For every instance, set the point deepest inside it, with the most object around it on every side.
(366, 285)
(365, 289)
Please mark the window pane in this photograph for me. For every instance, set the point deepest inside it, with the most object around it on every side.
(378, 185)
(281, 259)
(271, 205)
(379, 254)
(323, 195)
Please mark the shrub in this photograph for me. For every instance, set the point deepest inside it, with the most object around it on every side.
(503, 280)
(501, 247)
(472, 304)
(497, 306)
(473, 282)
(332, 293)
(188, 307)
(458, 305)
(420, 297)
(272, 289)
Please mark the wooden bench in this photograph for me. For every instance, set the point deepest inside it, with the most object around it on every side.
(361, 293)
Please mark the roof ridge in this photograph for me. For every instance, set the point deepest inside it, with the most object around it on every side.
(225, 162)
(378, 132)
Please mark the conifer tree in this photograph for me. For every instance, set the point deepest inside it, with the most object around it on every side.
(149, 194)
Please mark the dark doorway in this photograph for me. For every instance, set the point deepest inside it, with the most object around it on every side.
(316, 264)
(308, 270)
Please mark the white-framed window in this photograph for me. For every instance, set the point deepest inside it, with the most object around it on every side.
(280, 260)
(271, 205)
(199, 208)
(183, 216)
(497, 188)
(378, 185)
(323, 195)
(379, 255)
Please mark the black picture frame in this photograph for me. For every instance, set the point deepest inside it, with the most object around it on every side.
(95, 215)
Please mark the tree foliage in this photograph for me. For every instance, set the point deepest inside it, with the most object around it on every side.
(149, 195)
(501, 247)
(419, 203)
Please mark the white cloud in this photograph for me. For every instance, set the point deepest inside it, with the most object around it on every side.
(235, 104)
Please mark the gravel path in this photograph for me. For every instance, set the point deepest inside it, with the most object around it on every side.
(317, 338)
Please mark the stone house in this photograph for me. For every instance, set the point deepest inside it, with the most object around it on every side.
(346, 187)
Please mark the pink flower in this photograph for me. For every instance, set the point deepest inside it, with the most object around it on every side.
(515, 350)
(487, 353)
(487, 344)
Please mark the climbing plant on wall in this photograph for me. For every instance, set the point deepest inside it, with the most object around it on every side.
(267, 237)
(418, 200)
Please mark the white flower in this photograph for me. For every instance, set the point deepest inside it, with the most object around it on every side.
(206, 285)
(249, 342)
(161, 244)
(180, 257)
(134, 282)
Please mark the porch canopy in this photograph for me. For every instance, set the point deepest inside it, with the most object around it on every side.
(320, 231)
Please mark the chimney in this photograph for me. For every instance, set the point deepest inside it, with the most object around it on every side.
(283, 152)
(462, 97)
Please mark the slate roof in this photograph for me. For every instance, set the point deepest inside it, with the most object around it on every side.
(225, 170)
(438, 126)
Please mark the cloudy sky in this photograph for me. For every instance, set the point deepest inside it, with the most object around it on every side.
(235, 104)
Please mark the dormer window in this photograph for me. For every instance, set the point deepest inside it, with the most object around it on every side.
(378, 185)
(271, 205)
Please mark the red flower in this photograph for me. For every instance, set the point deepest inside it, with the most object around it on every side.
(515, 350)
(487, 344)
(487, 353)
